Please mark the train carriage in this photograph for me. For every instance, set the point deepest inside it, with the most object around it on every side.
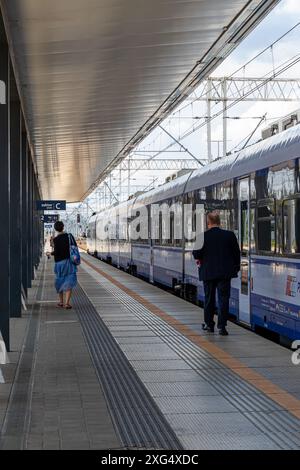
(256, 192)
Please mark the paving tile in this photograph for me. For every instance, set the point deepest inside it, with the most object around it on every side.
(187, 424)
(227, 442)
(176, 364)
(65, 385)
(182, 389)
(194, 404)
(69, 410)
(170, 376)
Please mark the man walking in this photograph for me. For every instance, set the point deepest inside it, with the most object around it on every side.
(219, 260)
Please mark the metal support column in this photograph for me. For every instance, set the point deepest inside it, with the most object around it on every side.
(224, 89)
(34, 225)
(129, 176)
(24, 212)
(29, 218)
(32, 176)
(4, 191)
(38, 230)
(15, 201)
(34, 231)
(110, 194)
(208, 117)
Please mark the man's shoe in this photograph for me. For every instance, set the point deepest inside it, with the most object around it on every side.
(210, 330)
(207, 328)
(223, 332)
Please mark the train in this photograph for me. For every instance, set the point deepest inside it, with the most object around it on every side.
(257, 194)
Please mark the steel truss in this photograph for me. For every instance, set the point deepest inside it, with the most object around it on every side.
(250, 89)
(176, 164)
(239, 89)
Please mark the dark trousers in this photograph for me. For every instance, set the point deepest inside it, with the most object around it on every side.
(210, 288)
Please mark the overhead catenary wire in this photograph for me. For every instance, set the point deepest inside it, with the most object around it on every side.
(249, 136)
(243, 67)
(194, 128)
(280, 69)
(295, 60)
(284, 67)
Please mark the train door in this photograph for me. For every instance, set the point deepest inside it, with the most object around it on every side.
(151, 277)
(117, 240)
(151, 257)
(244, 239)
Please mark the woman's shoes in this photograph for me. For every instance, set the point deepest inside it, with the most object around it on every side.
(66, 306)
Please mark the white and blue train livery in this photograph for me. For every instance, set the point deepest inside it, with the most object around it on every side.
(257, 193)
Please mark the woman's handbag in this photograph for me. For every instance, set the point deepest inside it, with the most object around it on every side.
(74, 252)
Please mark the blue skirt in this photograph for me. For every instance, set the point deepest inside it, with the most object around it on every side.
(65, 275)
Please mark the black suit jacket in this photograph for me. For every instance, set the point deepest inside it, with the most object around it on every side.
(220, 255)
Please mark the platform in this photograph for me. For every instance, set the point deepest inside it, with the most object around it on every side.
(130, 368)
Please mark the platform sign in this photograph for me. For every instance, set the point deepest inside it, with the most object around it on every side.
(51, 205)
(49, 218)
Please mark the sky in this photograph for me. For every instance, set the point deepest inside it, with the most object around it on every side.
(283, 17)
(276, 24)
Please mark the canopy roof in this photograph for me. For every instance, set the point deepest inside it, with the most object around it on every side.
(95, 76)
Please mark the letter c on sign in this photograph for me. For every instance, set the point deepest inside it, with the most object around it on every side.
(58, 206)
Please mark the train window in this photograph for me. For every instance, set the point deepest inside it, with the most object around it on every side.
(266, 226)
(156, 226)
(143, 227)
(291, 226)
(225, 217)
(123, 229)
(189, 220)
(177, 227)
(281, 181)
(171, 240)
(165, 229)
(252, 228)
(160, 229)
(190, 226)
(168, 228)
(164, 224)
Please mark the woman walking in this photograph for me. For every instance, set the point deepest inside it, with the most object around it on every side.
(65, 271)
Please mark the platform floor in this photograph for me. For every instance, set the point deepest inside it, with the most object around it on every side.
(130, 367)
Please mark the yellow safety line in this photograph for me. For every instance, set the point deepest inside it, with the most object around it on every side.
(277, 394)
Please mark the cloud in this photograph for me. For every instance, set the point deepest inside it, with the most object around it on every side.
(288, 7)
(282, 18)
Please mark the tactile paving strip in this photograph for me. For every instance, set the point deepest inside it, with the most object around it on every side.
(136, 416)
(257, 407)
